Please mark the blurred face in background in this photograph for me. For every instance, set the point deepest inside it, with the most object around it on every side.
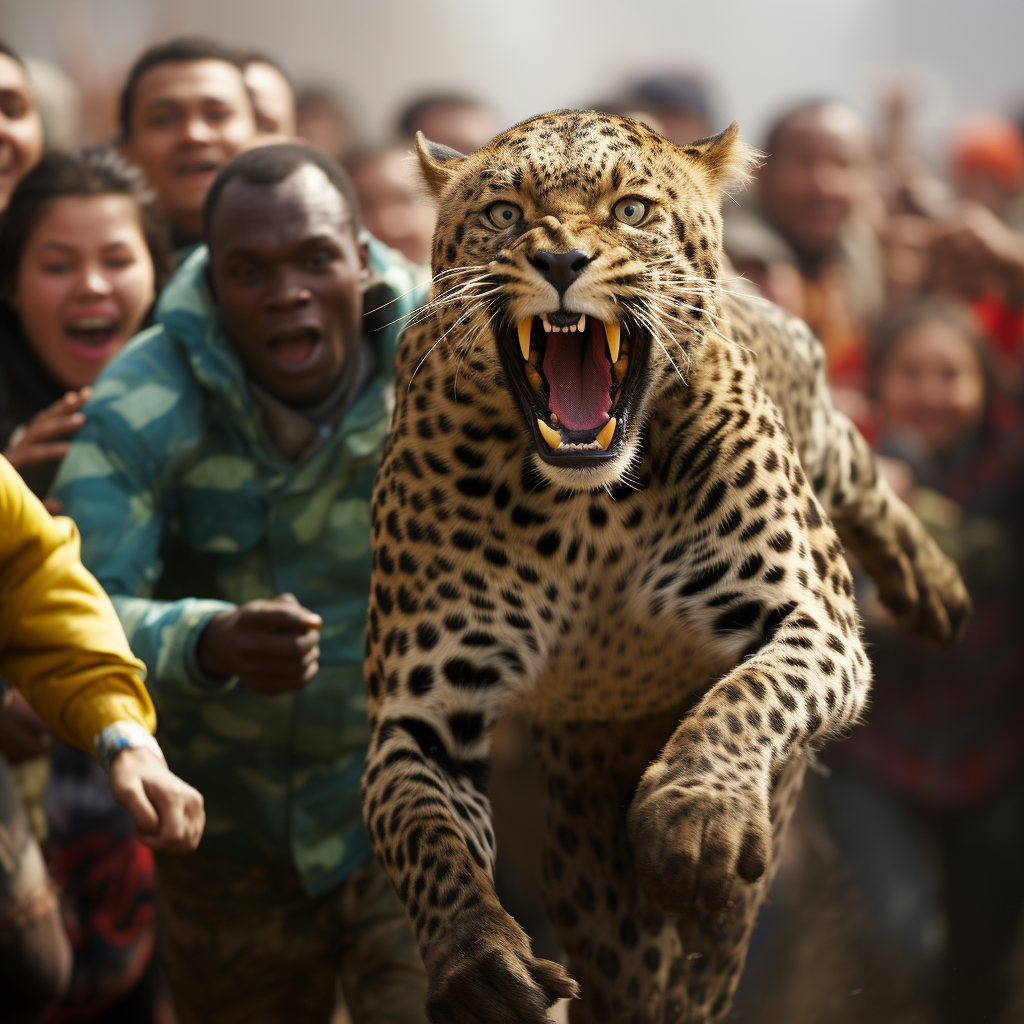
(392, 208)
(21, 130)
(821, 168)
(84, 285)
(272, 98)
(932, 385)
(465, 127)
(187, 120)
(321, 122)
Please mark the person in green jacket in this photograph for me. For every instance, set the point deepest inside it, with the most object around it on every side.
(222, 487)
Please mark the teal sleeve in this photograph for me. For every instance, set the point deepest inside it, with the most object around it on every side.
(111, 486)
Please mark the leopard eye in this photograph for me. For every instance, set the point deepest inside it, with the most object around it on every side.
(630, 210)
(504, 215)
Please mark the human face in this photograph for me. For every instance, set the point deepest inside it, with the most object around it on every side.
(391, 208)
(288, 276)
(21, 131)
(820, 171)
(932, 385)
(321, 124)
(462, 126)
(272, 98)
(84, 284)
(189, 119)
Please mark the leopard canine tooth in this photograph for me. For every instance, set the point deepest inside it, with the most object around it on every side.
(553, 437)
(606, 433)
(525, 327)
(612, 332)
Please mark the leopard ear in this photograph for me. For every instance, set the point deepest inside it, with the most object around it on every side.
(726, 157)
(438, 163)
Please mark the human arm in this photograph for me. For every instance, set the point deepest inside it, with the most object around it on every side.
(112, 483)
(61, 645)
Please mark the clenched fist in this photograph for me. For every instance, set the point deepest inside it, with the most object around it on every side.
(272, 646)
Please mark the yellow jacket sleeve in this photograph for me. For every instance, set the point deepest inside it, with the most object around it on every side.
(61, 643)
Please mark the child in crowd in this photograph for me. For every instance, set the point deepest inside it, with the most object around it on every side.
(82, 254)
(926, 801)
(21, 129)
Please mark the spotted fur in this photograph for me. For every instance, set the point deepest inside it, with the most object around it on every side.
(677, 618)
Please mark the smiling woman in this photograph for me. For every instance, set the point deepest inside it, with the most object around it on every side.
(82, 256)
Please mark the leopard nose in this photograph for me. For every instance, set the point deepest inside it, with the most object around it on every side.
(561, 268)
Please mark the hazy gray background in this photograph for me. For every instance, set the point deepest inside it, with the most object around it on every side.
(532, 55)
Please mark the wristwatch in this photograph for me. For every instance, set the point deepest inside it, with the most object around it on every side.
(121, 736)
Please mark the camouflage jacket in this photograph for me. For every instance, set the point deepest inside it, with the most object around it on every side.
(185, 510)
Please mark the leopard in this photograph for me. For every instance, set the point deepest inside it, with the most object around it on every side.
(615, 497)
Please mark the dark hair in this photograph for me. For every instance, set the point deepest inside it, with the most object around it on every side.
(6, 51)
(894, 327)
(673, 92)
(184, 50)
(270, 165)
(781, 122)
(367, 154)
(94, 171)
(408, 123)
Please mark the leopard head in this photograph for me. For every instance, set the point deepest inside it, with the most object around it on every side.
(576, 261)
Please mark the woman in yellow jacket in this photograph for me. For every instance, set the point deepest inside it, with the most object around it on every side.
(62, 647)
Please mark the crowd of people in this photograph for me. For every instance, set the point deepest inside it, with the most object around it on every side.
(198, 322)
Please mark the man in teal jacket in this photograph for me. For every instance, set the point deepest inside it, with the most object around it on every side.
(222, 488)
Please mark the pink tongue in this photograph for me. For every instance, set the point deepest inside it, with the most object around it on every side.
(579, 377)
(294, 350)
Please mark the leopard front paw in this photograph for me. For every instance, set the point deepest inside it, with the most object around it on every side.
(944, 605)
(486, 971)
(916, 580)
(697, 847)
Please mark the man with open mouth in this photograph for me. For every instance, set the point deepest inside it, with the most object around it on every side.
(222, 486)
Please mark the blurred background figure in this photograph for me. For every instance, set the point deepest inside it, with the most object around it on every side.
(322, 121)
(680, 104)
(926, 801)
(21, 128)
(392, 207)
(273, 97)
(184, 112)
(805, 235)
(59, 101)
(813, 193)
(452, 119)
(987, 163)
(83, 254)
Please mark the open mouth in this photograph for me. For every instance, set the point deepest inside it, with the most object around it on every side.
(93, 338)
(574, 377)
(295, 349)
(193, 168)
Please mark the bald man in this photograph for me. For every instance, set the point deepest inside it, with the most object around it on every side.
(804, 235)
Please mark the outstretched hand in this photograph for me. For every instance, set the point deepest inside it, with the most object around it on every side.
(168, 813)
(40, 441)
(273, 646)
